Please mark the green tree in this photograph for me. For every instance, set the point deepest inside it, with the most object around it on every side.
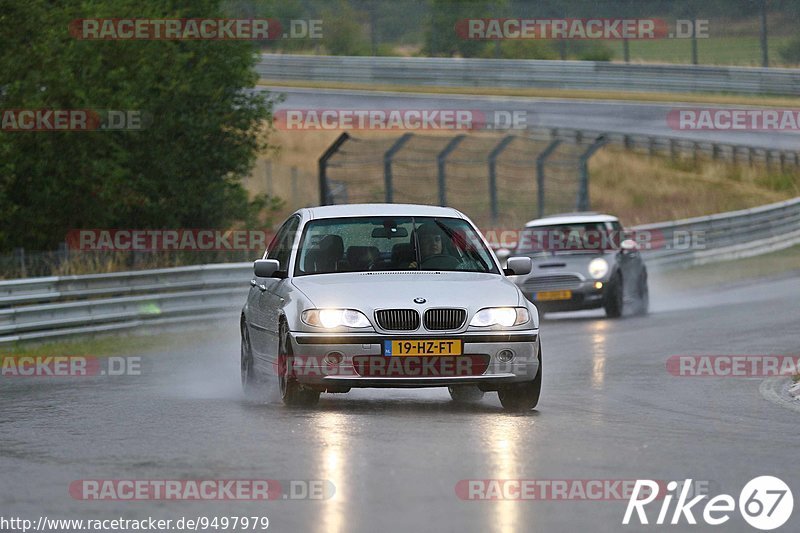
(182, 170)
(343, 31)
(441, 37)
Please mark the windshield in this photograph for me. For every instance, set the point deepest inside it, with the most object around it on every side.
(581, 237)
(391, 243)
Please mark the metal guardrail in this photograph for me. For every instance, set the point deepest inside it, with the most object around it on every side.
(530, 73)
(725, 236)
(52, 307)
(39, 308)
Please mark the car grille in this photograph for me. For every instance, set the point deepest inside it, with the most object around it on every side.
(546, 283)
(442, 319)
(397, 319)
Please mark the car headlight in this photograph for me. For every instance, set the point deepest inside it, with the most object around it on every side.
(598, 268)
(334, 318)
(500, 316)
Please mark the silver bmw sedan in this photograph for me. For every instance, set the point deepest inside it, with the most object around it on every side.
(386, 296)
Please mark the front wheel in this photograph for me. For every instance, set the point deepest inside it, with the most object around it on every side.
(522, 396)
(292, 393)
(250, 383)
(465, 393)
(614, 298)
(643, 296)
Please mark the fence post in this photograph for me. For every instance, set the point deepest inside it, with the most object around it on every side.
(324, 196)
(583, 190)
(540, 161)
(387, 165)
(441, 159)
(496, 151)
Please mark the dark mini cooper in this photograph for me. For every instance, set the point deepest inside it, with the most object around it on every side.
(582, 261)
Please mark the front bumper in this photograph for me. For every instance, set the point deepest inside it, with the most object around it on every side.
(478, 365)
(584, 296)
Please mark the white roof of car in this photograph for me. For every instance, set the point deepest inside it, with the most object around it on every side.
(570, 218)
(369, 210)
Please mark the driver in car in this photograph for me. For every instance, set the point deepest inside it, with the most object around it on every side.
(429, 238)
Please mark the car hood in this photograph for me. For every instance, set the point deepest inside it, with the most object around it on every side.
(368, 291)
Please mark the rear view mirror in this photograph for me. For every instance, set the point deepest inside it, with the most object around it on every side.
(265, 268)
(629, 246)
(518, 266)
(390, 233)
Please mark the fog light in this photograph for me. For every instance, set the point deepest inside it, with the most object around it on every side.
(504, 356)
(333, 358)
(598, 284)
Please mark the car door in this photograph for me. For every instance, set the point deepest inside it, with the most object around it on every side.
(263, 316)
(274, 297)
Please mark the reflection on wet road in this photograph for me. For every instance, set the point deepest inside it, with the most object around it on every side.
(609, 411)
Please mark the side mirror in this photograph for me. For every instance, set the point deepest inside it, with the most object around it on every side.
(518, 266)
(629, 246)
(265, 268)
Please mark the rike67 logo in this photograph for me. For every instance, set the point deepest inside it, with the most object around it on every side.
(765, 503)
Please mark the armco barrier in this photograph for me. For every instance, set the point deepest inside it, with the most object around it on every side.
(41, 308)
(529, 73)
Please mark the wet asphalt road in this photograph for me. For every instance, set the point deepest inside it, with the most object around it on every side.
(609, 410)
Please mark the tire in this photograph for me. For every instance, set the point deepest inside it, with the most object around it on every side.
(614, 301)
(521, 397)
(643, 296)
(465, 393)
(250, 382)
(292, 393)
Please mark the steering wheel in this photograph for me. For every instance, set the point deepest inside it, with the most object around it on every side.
(443, 261)
(377, 263)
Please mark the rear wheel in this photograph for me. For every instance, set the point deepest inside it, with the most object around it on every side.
(614, 298)
(522, 396)
(292, 392)
(466, 393)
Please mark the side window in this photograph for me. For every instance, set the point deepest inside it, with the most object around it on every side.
(281, 246)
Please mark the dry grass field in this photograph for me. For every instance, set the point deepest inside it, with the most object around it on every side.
(636, 187)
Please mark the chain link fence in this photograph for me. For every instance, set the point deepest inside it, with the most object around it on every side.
(496, 179)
